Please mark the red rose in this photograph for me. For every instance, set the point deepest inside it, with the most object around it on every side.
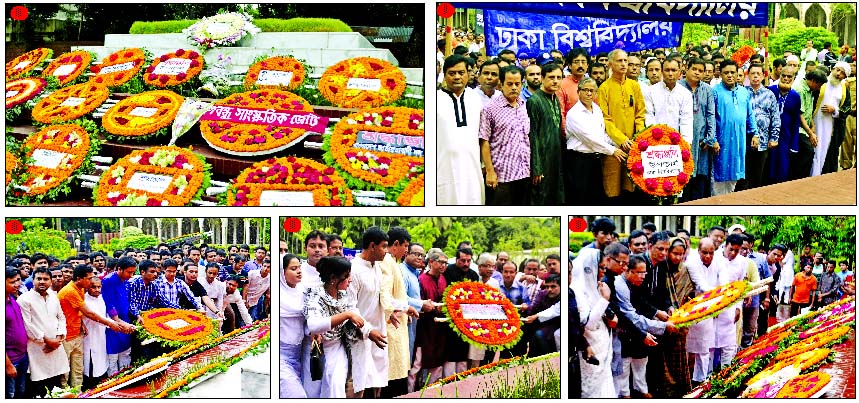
(150, 69)
(181, 76)
(153, 77)
(164, 58)
(657, 133)
(682, 178)
(668, 186)
(194, 63)
(328, 171)
(113, 57)
(637, 168)
(674, 137)
(685, 154)
(163, 79)
(128, 54)
(95, 69)
(193, 55)
(180, 52)
(651, 184)
(642, 145)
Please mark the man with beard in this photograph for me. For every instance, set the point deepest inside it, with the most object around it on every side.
(504, 144)
(598, 72)
(832, 111)
(790, 108)
(704, 143)
(735, 120)
(44, 323)
(801, 162)
(577, 61)
(488, 79)
(412, 266)
(533, 81)
(541, 332)
(544, 113)
(460, 180)
(768, 122)
(668, 103)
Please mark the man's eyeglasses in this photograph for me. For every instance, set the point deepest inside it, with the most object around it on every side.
(620, 262)
(587, 90)
(639, 243)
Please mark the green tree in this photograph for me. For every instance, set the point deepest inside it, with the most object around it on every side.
(794, 39)
(694, 33)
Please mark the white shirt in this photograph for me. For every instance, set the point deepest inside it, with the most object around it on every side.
(370, 363)
(672, 107)
(460, 180)
(726, 328)
(95, 342)
(291, 313)
(586, 130)
(474, 48)
(236, 298)
(310, 276)
(257, 286)
(484, 99)
(702, 337)
(216, 290)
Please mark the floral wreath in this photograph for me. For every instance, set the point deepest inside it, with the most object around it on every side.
(11, 164)
(837, 308)
(469, 372)
(157, 78)
(189, 172)
(276, 64)
(802, 361)
(493, 334)
(70, 103)
(708, 304)
(25, 64)
(237, 26)
(120, 58)
(831, 323)
(177, 325)
(289, 174)
(413, 194)
(819, 340)
(79, 60)
(364, 74)
(743, 55)
(263, 135)
(22, 90)
(732, 375)
(143, 115)
(659, 135)
(762, 343)
(804, 386)
(373, 168)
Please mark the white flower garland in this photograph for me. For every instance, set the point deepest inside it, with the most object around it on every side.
(221, 30)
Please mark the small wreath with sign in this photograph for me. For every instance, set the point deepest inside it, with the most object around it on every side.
(482, 315)
(259, 122)
(70, 103)
(172, 69)
(663, 143)
(143, 115)
(119, 67)
(22, 90)
(708, 304)
(156, 176)
(26, 64)
(413, 194)
(289, 181)
(362, 82)
(276, 72)
(804, 386)
(68, 67)
(172, 325)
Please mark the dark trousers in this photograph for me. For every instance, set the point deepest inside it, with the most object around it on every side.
(698, 188)
(396, 387)
(796, 306)
(755, 166)
(513, 193)
(16, 386)
(763, 320)
(583, 178)
(800, 162)
(41, 388)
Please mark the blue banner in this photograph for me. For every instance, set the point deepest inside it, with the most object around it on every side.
(532, 34)
(743, 14)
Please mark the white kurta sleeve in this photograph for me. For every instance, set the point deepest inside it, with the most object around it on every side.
(34, 332)
(550, 313)
(686, 118)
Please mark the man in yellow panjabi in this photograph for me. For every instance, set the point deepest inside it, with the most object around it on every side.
(623, 106)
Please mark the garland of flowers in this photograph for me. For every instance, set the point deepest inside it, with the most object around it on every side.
(204, 34)
(763, 342)
(730, 378)
(26, 64)
(659, 135)
(743, 55)
(277, 64)
(846, 305)
(255, 138)
(289, 174)
(11, 164)
(802, 361)
(334, 84)
(189, 171)
(466, 374)
(109, 383)
(708, 304)
(829, 324)
(22, 90)
(484, 333)
(371, 169)
(768, 388)
(125, 119)
(197, 325)
(172, 80)
(804, 386)
(58, 107)
(413, 194)
(111, 78)
(823, 339)
(81, 59)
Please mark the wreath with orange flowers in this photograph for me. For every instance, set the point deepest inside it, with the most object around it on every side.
(188, 172)
(743, 55)
(265, 134)
(804, 386)
(69, 67)
(70, 103)
(159, 75)
(413, 194)
(172, 325)
(22, 90)
(484, 328)
(142, 116)
(822, 339)
(11, 164)
(289, 174)
(831, 323)
(362, 82)
(762, 343)
(26, 64)
(802, 361)
(708, 304)
(119, 67)
(669, 143)
(278, 72)
(354, 148)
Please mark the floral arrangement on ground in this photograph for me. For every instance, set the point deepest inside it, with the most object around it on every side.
(277, 72)
(290, 181)
(120, 67)
(709, 304)
(489, 331)
(671, 149)
(68, 68)
(173, 327)
(70, 103)
(142, 116)
(25, 65)
(24, 93)
(174, 69)
(225, 29)
(362, 82)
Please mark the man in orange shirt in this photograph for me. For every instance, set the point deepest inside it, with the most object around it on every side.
(72, 304)
(804, 286)
(577, 60)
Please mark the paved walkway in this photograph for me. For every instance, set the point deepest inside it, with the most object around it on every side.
(835, 189)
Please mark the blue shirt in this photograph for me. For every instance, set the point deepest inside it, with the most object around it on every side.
(517, 294)
(760, 261)
(767, 116)
(735, 119)
(413, 292)
(114, 292)
(172, 290)
(144, 297)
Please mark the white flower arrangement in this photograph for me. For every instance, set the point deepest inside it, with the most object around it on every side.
(221, 30)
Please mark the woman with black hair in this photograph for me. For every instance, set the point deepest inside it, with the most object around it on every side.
(291, 327)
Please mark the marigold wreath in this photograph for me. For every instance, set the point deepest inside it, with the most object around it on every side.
(11, 164)
(143, 115)
(70, 103)
(822, 339)
(708, 304)
(413, 194)
(362, 82)
(278, 72)
(173, 69)
(289, 175)
(802, 361)
(804, 386)
(669, 145)
(22, 90)
(172, 325)
(25, 65)
(68, 67)
(484, 326)
(119, 67)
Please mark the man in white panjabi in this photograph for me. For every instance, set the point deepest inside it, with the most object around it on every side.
(735, 268)
(704, 268)
(369, 357)
(668, 103)
(95, 340)
(45, 324)
(460, 180)
(827, 110)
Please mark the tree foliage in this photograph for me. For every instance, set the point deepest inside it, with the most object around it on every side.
(694, 33)
(791, 36)
(51, 242)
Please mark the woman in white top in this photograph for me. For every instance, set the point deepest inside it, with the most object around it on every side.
(291, 328)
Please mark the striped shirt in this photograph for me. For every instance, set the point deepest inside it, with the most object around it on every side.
(767, 116)
(145, 297)
(172, 290)
(506, 129)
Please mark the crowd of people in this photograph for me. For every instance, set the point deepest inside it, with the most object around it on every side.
(374, 316)
(622, 295)
(554, 128)
(70, 323)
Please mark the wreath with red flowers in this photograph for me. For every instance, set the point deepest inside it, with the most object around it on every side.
(119, 67)
(173, 69)
(26, 64)
(362, 82)
(68, 67)
(804, 386)
(278, 72)
(169, 324)
(379, 149)
(664, 151)
(156, 176)
(823, 339)
(70, 103)
(709, 304)
(481, 315)
(289, 180)
(413, 194)
(743, 55)
(22, 90)
(141, 116)
(259, 122)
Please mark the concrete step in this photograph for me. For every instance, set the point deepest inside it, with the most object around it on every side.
(266, 40)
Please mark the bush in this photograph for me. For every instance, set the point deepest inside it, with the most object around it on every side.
(578, 240)
(51, 242)
(134, 241)
(265, 24)
(694, 33)
(130, 231)
(794, 40)
(159, 27)
(788, 24)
